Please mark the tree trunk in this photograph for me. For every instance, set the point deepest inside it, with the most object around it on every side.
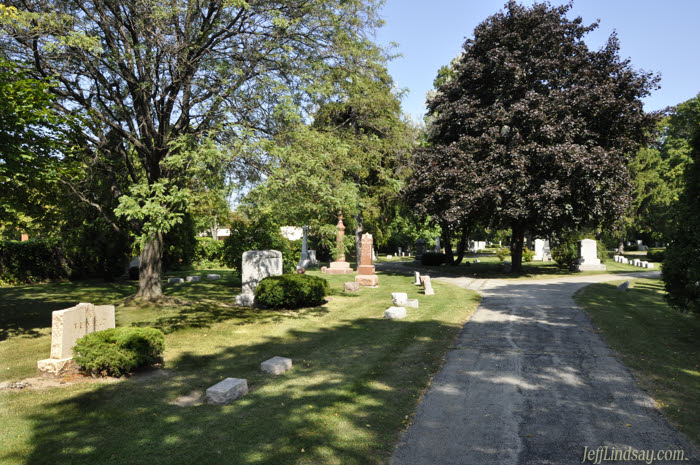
(447, 240)
(516, 250)
(151, 269)
(462, 246)
(358, 237)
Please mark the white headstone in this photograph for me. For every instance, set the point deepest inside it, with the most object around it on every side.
(389, 256)
(416, 275)
(213, 276)
(411, 303)
(395, 313)
(257, 265)
(650, 265)
(193, 279)
(399, 298)
(588, 256)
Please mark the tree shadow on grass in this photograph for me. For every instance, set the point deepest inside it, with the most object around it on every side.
(344, 401)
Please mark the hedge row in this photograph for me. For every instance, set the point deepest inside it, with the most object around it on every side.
(31, 261)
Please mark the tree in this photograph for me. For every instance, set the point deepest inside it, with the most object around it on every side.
(142, 75)
(681, 271)
(536, 127)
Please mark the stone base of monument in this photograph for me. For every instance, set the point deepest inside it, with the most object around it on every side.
(245, 300)
(351, 286)
(276, 365)
(339, 268)
(590, 267)
(395, 313)
(57, 367)
(413, 303)
(227, 391)
(367, 280)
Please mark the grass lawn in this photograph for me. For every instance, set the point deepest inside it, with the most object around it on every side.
(354, 385)
(490, 267)
(660, 345)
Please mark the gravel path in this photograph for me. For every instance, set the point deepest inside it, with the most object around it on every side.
(529, 381)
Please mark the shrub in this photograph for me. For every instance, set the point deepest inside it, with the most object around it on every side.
(208, 252)
(31, 261)
(291, 291)
(433, 259)
(528, 254)
(565, 250)
(632, 247)
(116, 351)
(502, 253)
(656, 255)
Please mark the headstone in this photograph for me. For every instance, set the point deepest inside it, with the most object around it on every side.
(624, 286)
(400, 252)
(69, 325)
(227, 391)
(365, 271)
(175, 280)
(476, 260)
(624, 261)
(416, 276)
(644, 264)
(351, 286)
(588, 256)
(339, 266)
(395, 313)
(257, 265)
(539, 250)
(374, 255)
(438, 249)
(650, 265)
(427, 286)
(637, 262)
(389, 256)
(420, 248)
(304, 262)
(413, 303)
(213, 276)
(477, 245)
(276, 365)
(193, 279)
(399, 298)
(313, 261)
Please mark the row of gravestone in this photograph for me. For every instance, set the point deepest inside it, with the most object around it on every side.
(192, 279)
(634, 262)
(400, 300)
(230, 389)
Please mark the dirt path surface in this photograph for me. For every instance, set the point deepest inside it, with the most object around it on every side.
(529, 381)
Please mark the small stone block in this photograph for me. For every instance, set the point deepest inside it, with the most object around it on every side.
(227, 391)
(367, 281)
(57, 366)
(395, 313)
(213, 276)
(413, 303)
(399, 298)
(193, 279)
(175, 280)
(245, 300)
(650, 265)
(276, 365)
(389, 256)
(351, 286)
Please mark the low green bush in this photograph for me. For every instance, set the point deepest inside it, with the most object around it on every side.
(291, 291)
(117, 351)
(502, 253)
(433, 259)
(208, 252)
(528, 254)
(656, 255)
(31, 261)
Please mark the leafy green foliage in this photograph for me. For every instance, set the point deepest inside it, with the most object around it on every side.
(31, 261)
(291, 291)
(656, 255)
(118, 351)
(533, 131)
(681, 271)
(528, 254)
(564, 250)
(502, 253)
(433, 259)
(208, 252)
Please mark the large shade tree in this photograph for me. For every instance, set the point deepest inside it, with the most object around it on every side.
(541, 125)
(142, 76)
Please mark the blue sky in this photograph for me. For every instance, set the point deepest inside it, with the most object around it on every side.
(659, 36)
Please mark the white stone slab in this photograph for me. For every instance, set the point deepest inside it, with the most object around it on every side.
(588, 256)
(104, 317)
(67, 326)
(213, 276)
(399, 298)
(276, 365)
(193, 279)
(416, 275)
(411, 303)
(227, 391)
(175, 280)
(650, 265)
(395, 313)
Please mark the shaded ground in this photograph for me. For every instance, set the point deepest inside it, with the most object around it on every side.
(531, 382)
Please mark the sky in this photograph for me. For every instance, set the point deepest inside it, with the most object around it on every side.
(658, 36)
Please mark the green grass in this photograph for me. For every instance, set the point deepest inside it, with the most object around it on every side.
(355, 383)
(489, 267)
(660, 345)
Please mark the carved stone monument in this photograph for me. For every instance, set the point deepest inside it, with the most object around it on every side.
(438, 248)
(257, 265)
(339, 266)
(308, 257)
(588, 256)
(366, 276)
(69, 325)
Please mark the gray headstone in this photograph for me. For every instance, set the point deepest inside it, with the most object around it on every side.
(276, 365)
(399, 298)
(624, 286)
(427, 286)
(175, 280)
(213, 276)
(227, 391)
(258, 265)
(412, 303)
(193, 279)
(351, 286)
(395, 313)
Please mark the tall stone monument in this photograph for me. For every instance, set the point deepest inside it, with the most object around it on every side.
(69, 325)
(420, 248)
(542, 250)
(365, 270)
(588, 256)
(339, 266)
(257, 265)
(438, 248)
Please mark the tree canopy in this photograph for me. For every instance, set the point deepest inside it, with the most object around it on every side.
(534, 130)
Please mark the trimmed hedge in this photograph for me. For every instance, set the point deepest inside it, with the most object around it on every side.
(433, 259)
(117, 351)
(291, 291)
(656, 255)
(31, 261)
